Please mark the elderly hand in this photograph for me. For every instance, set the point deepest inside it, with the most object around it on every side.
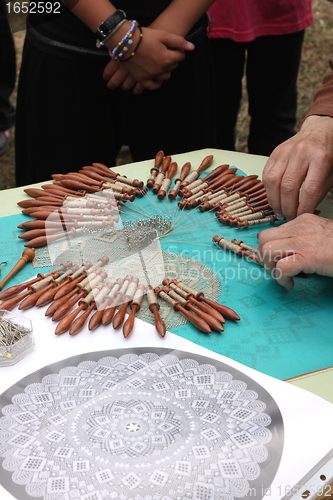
(303, 244)
(306, 158)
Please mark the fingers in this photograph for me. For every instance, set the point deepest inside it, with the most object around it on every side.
(305, 159)
(272, 176)
(118, 79)
(151, 84)
(177, 42)
(290, 187)
(318, 182)
(109, 70)
(286, 268)
(138, 88)
(312, 194)
(297, 229)
(128, 83)
(281, 261)
(118, 76)
(283, 177)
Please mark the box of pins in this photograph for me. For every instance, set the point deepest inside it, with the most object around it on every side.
(16, 339)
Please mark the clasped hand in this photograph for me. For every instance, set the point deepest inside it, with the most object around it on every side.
(160, 52)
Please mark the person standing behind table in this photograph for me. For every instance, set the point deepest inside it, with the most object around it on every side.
(305, 160)
(7, 79)
(305, 242)
(72, 109)
(265, 38)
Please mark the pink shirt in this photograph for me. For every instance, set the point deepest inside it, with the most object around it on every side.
(245, 20)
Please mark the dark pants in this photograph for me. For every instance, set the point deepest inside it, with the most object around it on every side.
(7, 70)
(68, 118)
(271, 65)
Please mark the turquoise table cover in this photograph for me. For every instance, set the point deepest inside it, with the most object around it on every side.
(282, 333)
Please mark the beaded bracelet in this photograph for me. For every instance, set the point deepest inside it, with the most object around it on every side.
(136, 48)
(126, 40)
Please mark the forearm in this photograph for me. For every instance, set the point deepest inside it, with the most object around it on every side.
(92, 14)
(181, 15)
(323, 99)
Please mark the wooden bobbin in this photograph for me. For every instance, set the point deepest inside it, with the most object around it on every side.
(109, 299)
(65, 323)
(224, 310)
(214, 174)
(189, 296)
(192, 176)
(167, 181)
(210, 320)
(89, 304)
(266, 220)
(119, 317)
(82, 289)
(245, 245)
(216, 188)
(117, 298)
(198, 322)
(62, 280)
(37, 289)
(102, 302)
(154, 171)
(227, 245)
(210, 186)
(85, 297)
(27, 256)
(183, 173)
(79, 275)
(161, 175)
(233, 247)
(135, 306)
(154, 307)
(58, 188)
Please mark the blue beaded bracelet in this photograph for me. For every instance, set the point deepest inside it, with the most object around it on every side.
(135, 49)
(116, 53)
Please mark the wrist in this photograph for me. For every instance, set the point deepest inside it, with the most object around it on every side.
(112, 42)
(109, 27)
(124, 48)
(315, 119)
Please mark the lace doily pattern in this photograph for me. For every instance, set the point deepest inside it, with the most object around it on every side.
(139, 425)
(191, 272)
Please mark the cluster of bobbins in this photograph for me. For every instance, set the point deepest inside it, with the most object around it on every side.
(205, 314)
(77, 295)
(164, 170)
(92, 197)
(75, 202)
(237, 200)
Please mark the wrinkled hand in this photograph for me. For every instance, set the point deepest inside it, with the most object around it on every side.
(159, 53)
(303, 244)
(306, 158)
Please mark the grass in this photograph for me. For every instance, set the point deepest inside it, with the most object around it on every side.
(317, 49)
